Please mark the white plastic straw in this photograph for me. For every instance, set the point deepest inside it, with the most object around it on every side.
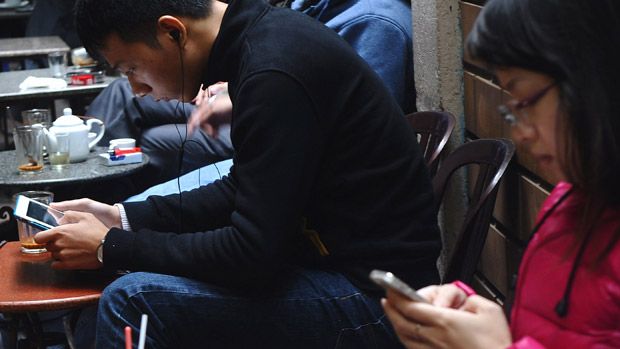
(142, 338)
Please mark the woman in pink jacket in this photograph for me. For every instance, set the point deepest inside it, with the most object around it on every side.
(560, 61)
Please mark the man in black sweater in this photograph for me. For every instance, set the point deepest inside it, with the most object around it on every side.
(327, 184)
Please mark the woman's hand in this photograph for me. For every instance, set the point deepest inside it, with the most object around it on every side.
(213, 109)
(479, 323)
(447, 296)
(107, 214)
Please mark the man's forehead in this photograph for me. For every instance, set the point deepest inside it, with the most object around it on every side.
(115, 50)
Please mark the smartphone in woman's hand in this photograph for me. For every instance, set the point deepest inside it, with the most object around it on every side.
(388, 281)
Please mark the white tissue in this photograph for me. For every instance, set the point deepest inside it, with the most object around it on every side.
(34, 82)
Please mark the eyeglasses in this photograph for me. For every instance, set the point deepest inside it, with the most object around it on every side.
(513, 111)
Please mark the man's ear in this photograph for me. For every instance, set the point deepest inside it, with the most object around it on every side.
(176, 35)
(173, 27)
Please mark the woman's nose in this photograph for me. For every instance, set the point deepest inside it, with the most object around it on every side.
(523, 133)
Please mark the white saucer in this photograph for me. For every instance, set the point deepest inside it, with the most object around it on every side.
(3, 5)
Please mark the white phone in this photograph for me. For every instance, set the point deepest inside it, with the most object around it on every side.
(36, 214)
(389, 281)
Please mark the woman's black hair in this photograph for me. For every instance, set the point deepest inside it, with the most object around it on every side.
(577, 43)
(132, 20)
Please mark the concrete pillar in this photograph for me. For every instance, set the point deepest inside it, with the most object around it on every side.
(437, 47)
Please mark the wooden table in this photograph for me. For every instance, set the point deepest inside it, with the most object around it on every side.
(19, 48)
(28, 284)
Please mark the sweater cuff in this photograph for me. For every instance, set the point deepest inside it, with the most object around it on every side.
(526, 343)
(124, 221)
(118, 249)
(464, 287)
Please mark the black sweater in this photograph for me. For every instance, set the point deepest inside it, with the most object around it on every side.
(327, 174)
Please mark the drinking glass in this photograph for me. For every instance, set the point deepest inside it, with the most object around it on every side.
(59, 156)
(29, 148)
(27, 231)
(37, 116)
(58, 63)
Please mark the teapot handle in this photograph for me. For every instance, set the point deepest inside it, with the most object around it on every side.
(90, 123)
(49, 139)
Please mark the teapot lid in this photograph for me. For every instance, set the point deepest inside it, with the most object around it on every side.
(68, 119)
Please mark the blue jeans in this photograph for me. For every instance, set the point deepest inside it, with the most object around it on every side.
(307, 309)
(186, 182)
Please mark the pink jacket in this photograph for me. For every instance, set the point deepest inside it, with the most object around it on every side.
(593, 319)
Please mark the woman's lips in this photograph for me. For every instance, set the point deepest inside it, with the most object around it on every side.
(544, 160)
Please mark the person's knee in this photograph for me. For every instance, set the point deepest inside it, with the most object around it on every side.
(162, 138)
(125, 287)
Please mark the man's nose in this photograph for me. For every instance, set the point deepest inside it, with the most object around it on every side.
(139, 88)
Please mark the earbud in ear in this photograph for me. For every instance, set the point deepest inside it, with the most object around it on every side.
(176, 35)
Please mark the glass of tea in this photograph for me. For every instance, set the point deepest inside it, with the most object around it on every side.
(59, 155)
(27, 231)
(29, 148)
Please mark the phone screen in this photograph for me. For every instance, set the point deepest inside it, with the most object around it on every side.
(43, 213)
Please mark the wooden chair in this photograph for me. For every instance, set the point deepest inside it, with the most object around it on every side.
(492, 157)
(433, 129)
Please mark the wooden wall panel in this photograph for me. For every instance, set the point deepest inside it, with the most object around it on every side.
(517, 204)
(489, 123)
(469, 81)
(469, 13)
(499, 261)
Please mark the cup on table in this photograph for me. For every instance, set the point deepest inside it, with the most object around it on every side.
(121, 143)
(29, 148)
(59, 155)
(27, 231)
(37, 116)
(58, 63)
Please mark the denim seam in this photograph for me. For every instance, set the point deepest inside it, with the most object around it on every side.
(379, 321)
(338, 298)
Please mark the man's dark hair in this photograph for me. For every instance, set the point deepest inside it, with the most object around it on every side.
(132, 20)
(576, 43)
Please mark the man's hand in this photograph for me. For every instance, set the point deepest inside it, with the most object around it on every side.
(74, 242)
(213, 109)
(107, 214)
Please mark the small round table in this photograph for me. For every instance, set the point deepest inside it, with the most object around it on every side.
(93, 169)
(29, 285)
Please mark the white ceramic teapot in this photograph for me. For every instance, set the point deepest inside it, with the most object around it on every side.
(80, 142)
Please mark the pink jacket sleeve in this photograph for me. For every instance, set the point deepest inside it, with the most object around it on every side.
(526, 343)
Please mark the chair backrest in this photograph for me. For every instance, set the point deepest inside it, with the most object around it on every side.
(492, 157)
(433, 129)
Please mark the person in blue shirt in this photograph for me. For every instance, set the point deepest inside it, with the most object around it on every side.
(381, 33)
